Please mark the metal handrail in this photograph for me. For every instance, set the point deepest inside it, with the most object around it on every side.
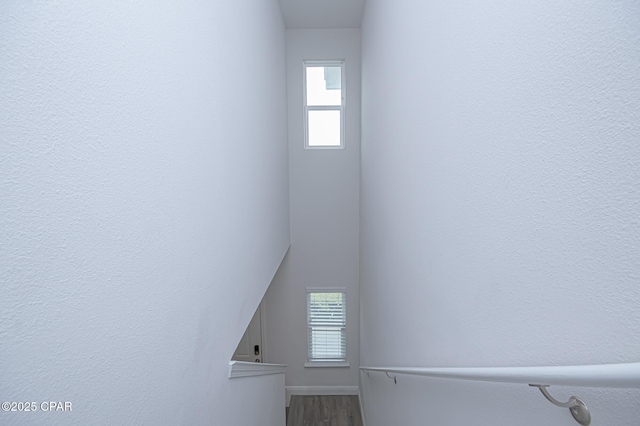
(626, 376)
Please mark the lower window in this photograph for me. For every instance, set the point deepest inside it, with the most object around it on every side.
(326, 323)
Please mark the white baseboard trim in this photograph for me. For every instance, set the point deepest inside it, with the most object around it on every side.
(319, 390)
(364, 422)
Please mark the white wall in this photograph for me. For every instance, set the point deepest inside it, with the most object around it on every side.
(324, 14)
(264, 399)
(500, 203)
(144, 211)
(324, 191)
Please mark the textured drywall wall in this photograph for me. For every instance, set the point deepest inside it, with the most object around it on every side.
(143, 203)
(500, 203)
(324, 189)
(263, 400)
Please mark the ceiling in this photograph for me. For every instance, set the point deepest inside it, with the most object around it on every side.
(322, 13)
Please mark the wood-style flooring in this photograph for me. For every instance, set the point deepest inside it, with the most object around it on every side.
(324, 410)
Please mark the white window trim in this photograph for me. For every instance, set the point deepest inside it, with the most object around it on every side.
(327, 363)
(341, 108)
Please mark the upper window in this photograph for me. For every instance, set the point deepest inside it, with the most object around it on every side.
(327, 322)
(324, 104)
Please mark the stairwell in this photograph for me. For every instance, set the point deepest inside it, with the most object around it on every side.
(324, 410)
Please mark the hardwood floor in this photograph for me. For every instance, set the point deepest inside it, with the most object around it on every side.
(324, 410)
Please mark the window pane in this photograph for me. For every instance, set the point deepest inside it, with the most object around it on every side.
(324, 128)
(324, 86)
(327, 343)
(326, 317)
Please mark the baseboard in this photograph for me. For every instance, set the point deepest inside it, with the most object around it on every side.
(319, 390)
(364, 422)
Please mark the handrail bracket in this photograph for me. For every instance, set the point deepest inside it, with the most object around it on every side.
(576, 406)
(395, 378)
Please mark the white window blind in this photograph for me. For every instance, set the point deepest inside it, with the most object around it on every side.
(327, 320)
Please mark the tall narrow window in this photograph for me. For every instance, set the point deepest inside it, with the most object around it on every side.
(327, 321)
(324, 104)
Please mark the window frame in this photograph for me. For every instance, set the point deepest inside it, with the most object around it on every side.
(341, 108)
(342, 362)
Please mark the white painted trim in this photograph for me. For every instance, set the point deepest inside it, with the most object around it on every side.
(326, 290)
(319, 390)
(248, 369)
(626, 376)
(263, 332)
(327, 364)
(364, 422)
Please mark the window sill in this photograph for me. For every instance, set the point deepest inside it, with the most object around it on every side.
(328, 364)
(324, 146)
